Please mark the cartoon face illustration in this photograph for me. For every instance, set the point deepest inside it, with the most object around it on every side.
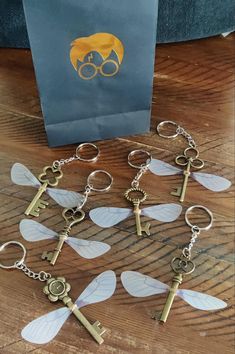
(100, 53)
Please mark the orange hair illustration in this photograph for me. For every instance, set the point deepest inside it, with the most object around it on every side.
(103, 43)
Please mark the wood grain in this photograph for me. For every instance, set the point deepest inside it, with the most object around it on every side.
(193, 85)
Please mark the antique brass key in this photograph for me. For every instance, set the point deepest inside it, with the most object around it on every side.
(37, 204)
(180, 265)
(189, 161)
(137, 211)
(57, 289)
(72, 218)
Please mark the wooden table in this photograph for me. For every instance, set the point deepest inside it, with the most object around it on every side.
(193, 85)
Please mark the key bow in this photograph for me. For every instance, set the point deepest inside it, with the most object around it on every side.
(56, 288)
(72, 216)
(182, 265)
(50, 175)
(190, 156)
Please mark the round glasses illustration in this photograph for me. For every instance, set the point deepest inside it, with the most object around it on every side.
(102, 43)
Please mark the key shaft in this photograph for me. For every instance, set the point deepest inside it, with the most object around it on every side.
(62, 237)
(139, 228)
(30, 210)
(185, 181)
(95, 333)
(137, 213)
(177, 280)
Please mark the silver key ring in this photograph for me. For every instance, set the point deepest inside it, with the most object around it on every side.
(169, 122)
(135, 152)
(84, 145)
(93, 174)
(4, 245)
(203, 208)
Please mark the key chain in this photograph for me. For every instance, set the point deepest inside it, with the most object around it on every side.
(45, 328)
(140, 285)
(49, 177)
(110, 216)
(188, 160)
(33, 231)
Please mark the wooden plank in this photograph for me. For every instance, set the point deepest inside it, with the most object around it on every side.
(193, 85)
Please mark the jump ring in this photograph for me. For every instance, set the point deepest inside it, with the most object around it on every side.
(4, 245)
(134, 152)
(196, 226)
(84, 145)
(93, 174)
(169, 122)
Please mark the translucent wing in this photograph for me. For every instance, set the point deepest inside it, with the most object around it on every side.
(107, 217)
(67, 199)
(161, 168)
(140, 285)
(88, 249)
(34, 231)
(22, 176)
(100, 289)
(212, 182)
(201, 301)
(163, 212)
(45, 328)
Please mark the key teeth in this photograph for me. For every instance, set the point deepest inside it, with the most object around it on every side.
(146, 228)
(34, 213)
(40, 204)
(156, 316)
(100, 330)
(47, 256)
(177, 192)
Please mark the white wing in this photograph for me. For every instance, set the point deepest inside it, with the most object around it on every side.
(163, 212)
(140, 285)
(107, 217)
(45, 328)
(88, 249)
(22, 176)
(161, 168)
(201, 301)
(34, 231)
(100, 289)
(67, 199)
(212, 182)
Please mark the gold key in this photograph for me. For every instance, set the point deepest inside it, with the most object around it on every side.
(180, 266)
(137, 211)
(57, 289)
(49, 177)
(188, 161)
(72, 217)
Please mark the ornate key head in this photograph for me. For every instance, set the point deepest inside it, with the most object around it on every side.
(135, 200)
(72, 216)
(51, 175)
(182, 265)
(190, 155)
(56, 288)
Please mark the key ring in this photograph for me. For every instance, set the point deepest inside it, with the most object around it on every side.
(147, 162)
(84, 145)
(195, 226)
(21, 261)
(93, 174)
(169, 122)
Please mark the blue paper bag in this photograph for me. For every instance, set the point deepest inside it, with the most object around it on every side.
(94, 63)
